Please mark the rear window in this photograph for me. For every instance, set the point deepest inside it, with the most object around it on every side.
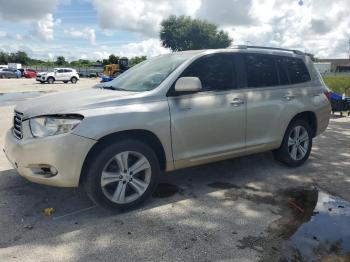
(261, 70)
(297, 70)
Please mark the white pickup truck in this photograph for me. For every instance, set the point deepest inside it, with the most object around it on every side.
(59, 74)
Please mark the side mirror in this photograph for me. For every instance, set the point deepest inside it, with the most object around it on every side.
(188, 84)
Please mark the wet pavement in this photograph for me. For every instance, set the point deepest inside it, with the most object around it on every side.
(326, 236)
(165, 190)
(314, 226)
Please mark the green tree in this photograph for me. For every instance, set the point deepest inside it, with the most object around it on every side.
(21, 57)
(113, 59)
(184, 33)
(4, 58)
(136, 60)
(60, 60)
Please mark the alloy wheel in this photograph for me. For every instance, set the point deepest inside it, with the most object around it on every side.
(126, 177)
(298, 143)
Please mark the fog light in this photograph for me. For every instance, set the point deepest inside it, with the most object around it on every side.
(44, 170)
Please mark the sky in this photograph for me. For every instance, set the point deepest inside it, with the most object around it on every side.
(93, 29)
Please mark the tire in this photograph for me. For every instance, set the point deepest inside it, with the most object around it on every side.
(295, 150)
(3, 76)
(65, 82)
(42, 82)
(51, 80)
(74, 80)
(105, 175)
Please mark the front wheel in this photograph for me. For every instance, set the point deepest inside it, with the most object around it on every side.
(122, 175)
(296, 145)
(74, 80)
(50, 80)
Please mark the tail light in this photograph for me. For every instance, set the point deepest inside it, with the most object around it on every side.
(327, 94)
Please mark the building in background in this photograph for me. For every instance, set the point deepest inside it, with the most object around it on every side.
(337, 65)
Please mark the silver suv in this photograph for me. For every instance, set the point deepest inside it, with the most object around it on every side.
(170, 112)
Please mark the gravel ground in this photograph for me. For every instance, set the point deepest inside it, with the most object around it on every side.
(236, 210)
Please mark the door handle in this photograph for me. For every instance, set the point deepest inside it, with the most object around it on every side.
(237, 102)
(289, 97)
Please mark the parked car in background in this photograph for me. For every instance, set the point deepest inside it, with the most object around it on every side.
(21, 72)
(105, 78)
(89, 73)
(59, 74)
(9, 73)
(29, 73)
(173, 111)
(93, 74)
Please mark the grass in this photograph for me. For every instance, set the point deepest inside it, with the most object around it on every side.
(338, 84)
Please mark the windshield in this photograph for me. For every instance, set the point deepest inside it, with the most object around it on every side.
(148, 74)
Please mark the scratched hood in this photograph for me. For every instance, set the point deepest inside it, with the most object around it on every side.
(72, 102)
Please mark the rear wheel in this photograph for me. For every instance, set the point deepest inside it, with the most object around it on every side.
(296, 145)
(51, 80)
(122, 175)
(74, 80)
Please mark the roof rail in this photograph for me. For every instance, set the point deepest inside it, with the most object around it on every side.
(269, 48)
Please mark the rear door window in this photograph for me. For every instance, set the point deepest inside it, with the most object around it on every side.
(260, 70)
(297, 70)
(216, 72)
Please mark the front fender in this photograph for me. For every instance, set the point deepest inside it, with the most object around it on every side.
(151, 116)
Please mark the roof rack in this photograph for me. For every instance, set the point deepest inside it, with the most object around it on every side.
(269, 48)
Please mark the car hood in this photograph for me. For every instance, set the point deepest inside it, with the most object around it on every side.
(73, 102)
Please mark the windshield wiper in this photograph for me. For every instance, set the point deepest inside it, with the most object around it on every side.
(113, 88)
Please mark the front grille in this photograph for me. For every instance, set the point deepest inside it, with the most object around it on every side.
(17, 125)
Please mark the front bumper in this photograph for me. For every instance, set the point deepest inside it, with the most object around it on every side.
(66, 153)
(40, 78)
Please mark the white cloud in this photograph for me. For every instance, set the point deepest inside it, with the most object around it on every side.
(19, 10)
(44, 28)
(149, 48)
(140, 16)
(3, 34)
(321, 27)
(87, 33)
(228, 12)
(318, 26)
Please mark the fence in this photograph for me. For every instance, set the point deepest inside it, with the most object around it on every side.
(80, 70)
(344, 74)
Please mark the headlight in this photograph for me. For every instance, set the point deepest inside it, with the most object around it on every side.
(51, 125)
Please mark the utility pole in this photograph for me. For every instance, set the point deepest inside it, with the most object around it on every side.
(349, 48)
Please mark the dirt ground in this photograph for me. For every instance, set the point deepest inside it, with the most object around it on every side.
(244, 209)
